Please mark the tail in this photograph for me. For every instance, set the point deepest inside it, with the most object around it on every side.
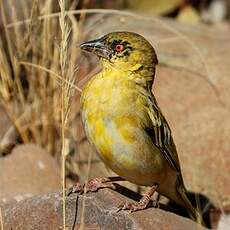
(193, 212)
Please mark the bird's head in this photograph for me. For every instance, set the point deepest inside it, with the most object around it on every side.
(125, 51)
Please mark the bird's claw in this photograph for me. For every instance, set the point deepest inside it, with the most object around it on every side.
(132, 207)
(92, 186)
(77, 188)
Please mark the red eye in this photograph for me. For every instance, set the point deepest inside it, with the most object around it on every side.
(119, 47)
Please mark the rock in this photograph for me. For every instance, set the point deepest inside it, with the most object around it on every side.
(28, 170)
(224, 222)
(45, 212)
(192, 87)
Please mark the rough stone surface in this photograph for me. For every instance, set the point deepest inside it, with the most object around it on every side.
(26, 171)
(45, 212)
(192, 88)
(224, 222)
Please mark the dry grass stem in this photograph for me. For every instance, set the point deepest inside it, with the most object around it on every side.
(89, 163)
(52, 73)
(1, 219)
(23, 84)
(66, 93)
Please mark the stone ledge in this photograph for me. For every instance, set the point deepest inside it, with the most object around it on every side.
(45, 212)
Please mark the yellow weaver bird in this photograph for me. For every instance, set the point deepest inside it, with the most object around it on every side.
(124, 123)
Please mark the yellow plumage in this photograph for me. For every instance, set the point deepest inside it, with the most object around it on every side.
(123, 121)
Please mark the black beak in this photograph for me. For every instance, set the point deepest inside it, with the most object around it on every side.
(97, 47)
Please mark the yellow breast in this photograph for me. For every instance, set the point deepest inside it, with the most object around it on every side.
(103, 99)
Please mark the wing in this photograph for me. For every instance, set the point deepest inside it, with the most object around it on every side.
(160, 132)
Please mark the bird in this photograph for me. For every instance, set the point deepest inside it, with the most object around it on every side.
(123, 122)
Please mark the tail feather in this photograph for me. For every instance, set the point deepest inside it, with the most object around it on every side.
(193, 212)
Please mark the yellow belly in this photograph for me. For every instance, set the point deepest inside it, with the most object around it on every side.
(112, 117)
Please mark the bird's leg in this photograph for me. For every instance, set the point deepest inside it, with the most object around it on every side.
(94, 185)
(142, 204)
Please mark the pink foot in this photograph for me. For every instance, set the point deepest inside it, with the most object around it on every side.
(92, 186)
(142, 204)
(133, 207)
(77, 188)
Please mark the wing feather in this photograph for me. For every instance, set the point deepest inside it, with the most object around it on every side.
(160, 133)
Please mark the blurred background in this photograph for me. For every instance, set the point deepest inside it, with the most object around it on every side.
(41, 68)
